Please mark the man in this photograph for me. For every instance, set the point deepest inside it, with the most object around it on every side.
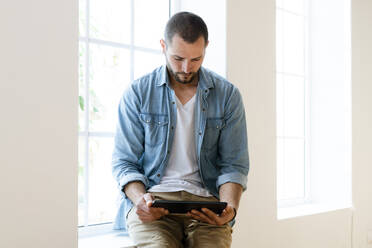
(181, 136)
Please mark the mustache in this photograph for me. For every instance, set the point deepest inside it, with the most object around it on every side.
(186, 74)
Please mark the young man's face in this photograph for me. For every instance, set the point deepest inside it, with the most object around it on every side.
(184, 59)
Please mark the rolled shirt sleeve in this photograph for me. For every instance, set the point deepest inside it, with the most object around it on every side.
(233, 159)
(129, 139)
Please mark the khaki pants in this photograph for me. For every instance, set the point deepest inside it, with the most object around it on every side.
(177, 230)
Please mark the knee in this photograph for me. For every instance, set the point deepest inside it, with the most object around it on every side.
(210, 237)
(155, 239)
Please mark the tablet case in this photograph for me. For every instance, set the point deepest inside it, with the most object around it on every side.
(182, 207)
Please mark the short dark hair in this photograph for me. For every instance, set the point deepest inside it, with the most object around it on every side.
(187, 25)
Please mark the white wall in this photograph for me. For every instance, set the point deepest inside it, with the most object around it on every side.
(251, 66)
(38, 123)
(362, 119)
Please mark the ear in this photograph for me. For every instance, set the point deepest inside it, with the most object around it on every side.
(163, 45)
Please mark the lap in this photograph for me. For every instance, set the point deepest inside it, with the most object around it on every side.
(199, 234)
(160, 233)
(177, 231)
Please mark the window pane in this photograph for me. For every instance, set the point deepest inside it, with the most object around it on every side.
(290, 93)
(150, 18)
(294, 107)
(109, 76)
(145, 62)
(296, 6)
(279, 3)
(280, 168)
(215, 18)
(82, 98)
(293, 49)
(280, 105)
(279, 41)
(293, 165)
(110, 20)
(82, 17)
(102, 187)
(81, 180)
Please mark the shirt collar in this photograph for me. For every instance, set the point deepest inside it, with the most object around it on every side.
(163, 76)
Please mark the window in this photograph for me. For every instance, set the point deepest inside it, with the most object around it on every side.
(313, 104)
(292, 80)
(119, 42)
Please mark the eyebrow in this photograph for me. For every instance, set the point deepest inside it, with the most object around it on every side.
(178, 57)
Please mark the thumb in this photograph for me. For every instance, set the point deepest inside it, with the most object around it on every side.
(228, 210)
(148, 199)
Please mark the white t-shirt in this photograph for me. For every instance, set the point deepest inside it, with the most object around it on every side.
(182, 172)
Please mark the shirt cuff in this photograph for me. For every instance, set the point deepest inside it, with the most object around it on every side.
(131, 177)
(233, 177)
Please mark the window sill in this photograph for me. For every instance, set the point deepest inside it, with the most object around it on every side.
(103, 235)
(114, 239)
(308, 209)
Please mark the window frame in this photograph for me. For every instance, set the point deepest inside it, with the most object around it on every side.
(85, 134)
(322, 151)
(293, 201)
(85, 40)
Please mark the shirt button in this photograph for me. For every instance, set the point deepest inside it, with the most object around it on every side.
(206, 91)
(173, 103)
(172, 127)
(203, 109)
(168, 151)
(158, 175)
(200, 133)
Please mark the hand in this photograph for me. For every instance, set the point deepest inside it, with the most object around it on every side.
(210, 217)
(145, 212)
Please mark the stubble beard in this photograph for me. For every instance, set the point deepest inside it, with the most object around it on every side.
(176, 75)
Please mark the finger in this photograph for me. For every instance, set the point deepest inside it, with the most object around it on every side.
(194, 216)
(143, 207)
(225, 217)
(228, 211)
(229, 208)
(146, 218)
(143, 216)
(202, 217)
(205, 220)
(143, 212)
(212, 215)
(161, 211)
(148, 199)
(151, 215)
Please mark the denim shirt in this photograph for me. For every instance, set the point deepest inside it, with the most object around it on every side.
(145, 131)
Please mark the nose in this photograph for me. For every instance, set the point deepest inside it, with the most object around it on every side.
(186, 66)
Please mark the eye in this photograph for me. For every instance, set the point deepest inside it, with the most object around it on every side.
(178, 59)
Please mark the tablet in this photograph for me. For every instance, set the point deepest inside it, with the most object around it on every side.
(182, 207)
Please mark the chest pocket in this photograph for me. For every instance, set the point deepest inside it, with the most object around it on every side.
(212, 133)
(155, 127)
